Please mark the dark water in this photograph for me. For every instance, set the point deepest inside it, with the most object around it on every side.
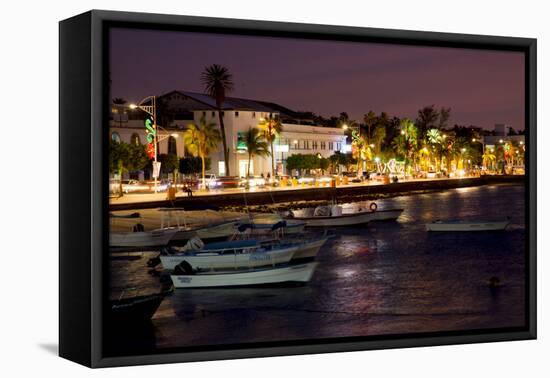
(385, 278)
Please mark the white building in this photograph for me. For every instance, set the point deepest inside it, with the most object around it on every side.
(298, 136)
(500, 136)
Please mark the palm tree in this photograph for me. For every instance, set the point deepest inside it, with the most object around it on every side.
(362, 150)
(272, 128)
(217, 82)
(378, 137)
(406, 142)
(434, 139)
(256, 145)
(200, 139)
(488, 158)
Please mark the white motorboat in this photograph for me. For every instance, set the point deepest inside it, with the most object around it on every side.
(332, 216)
(268, 276)
(465, 225)
(230, 255)
(155, 238)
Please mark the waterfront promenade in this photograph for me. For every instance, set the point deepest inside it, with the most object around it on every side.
(267, 196)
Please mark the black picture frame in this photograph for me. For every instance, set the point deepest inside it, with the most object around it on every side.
(83, 208)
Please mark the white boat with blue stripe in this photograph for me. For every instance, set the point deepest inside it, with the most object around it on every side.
(233, 254)
(279, 275)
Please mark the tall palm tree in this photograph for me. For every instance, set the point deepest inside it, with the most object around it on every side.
(256, 145)
(218, 81)
(200, 139)
(378, 137)
(272, 128)
(488, 158)
(434, 138)
(361, 148)
(407, 141)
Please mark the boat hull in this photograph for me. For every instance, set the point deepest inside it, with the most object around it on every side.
(288, 274)
(466, 226)
(155, 238)
(137, 309)
(229, 260)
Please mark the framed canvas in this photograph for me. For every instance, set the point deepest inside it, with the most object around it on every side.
(235, 188)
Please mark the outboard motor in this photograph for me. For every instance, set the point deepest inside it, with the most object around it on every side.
(193, 244)
(322, 211)
(183, 268)
(153, 261)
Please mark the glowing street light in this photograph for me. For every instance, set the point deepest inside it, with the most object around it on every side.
(152, 111)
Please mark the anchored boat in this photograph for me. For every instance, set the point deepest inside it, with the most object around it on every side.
(134, 309)
(228, 255)
(332, 216)
(155, 238)
(268, 276)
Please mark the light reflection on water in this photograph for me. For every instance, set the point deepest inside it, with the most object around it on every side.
(384, 278)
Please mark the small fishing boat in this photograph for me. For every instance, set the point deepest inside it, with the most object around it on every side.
(256, 277)
(467, 225)
(206, 232)
(227, 255)
(332, 216)
(175, 217)
(134, 309)
(138, 238)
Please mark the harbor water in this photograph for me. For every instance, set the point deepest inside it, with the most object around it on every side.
(387, 278)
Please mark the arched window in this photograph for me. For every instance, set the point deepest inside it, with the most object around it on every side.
(172, 149)
(135, 139)
(115, 137)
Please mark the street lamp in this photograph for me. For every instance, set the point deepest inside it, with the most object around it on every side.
(152, 111)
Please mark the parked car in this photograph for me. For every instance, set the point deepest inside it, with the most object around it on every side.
(228, 182)
(253, 182)
(209, 181)
(135, 186)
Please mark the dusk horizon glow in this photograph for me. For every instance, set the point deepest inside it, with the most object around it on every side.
(482, 87)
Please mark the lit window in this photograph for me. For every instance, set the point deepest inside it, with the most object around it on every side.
(135, 139)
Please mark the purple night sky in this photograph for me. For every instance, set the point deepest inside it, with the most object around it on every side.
(482, 87)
